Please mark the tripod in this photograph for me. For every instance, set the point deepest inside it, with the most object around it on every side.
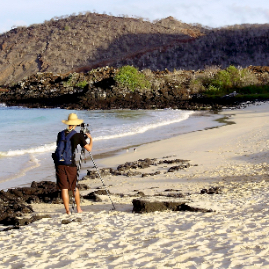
(94, 164)
(78, 170)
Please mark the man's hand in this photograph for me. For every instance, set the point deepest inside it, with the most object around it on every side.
(89, 146)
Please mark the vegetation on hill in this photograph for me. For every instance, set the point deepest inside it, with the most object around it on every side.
(79, 43)
(129, 77)
(127, 87)
(210, 82)
(84, 41)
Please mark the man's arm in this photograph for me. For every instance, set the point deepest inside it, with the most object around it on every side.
(88, 147)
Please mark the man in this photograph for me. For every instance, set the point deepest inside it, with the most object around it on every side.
(66, 175)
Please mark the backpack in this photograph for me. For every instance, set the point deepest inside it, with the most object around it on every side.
(63, 153)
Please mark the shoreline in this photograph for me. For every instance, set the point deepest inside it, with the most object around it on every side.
(233, 157)
(196, 121)
(226, 119)
(213, 153)
(110, 154)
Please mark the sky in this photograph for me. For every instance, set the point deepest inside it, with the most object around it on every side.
(211, 13)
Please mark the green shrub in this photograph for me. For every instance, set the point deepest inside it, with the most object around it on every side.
(223, 80)
(129, 77)
(233, 77)
(229, 80)
(82, 84)
(213, 90)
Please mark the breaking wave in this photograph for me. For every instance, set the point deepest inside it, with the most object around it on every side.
(19, 152)
(123, 131)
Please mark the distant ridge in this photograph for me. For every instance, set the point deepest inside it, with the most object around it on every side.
(82, 42)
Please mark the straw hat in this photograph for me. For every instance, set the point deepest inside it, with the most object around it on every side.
(72, 120)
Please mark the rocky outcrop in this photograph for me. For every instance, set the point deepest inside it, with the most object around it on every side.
(128, 169)
(44, 191)
(19, 220)
(97, 89)
(144, 205)
(16, 203)
(211, 190)
(170, 200)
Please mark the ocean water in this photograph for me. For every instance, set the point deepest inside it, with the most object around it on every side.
(28, 136)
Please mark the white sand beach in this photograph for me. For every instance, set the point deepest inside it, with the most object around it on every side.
(233, 157)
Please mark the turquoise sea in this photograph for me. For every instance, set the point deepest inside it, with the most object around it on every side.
(28, 136)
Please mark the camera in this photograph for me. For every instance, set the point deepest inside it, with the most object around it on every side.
(84, 129)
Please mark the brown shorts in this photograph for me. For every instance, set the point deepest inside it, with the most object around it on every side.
(66, 177)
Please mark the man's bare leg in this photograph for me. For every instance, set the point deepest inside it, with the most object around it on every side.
(77, 200)
(65, 197)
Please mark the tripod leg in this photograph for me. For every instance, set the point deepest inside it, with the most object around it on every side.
(114, 208)
(76, 192)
